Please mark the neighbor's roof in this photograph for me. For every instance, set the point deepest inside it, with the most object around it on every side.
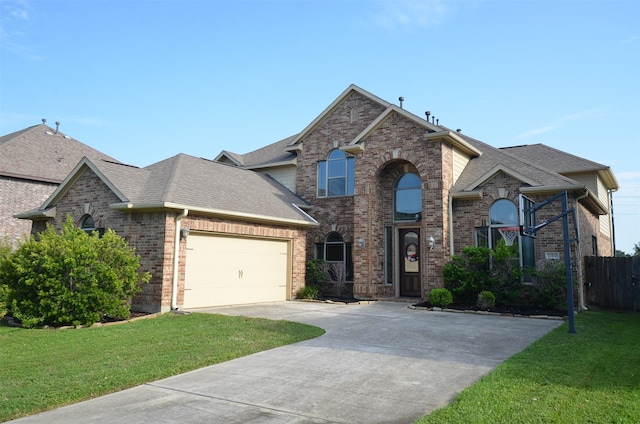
(200, 185)
(40, 153)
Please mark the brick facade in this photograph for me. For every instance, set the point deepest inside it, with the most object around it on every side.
(152, 234)
(397, 146)
(16, 196)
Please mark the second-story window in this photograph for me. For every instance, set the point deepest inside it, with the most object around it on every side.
(336, 175)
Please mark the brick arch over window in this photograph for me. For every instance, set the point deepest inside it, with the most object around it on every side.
(81, 211)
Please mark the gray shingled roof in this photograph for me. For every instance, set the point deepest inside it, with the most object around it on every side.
(39, 153)
(554, 159)
(267, 155)
(493, 157)
(200, 185)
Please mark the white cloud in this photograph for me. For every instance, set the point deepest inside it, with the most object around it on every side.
(536, 131)
(411, 15)
(559, 122)
(631, 39)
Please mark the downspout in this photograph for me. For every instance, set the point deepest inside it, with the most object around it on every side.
(581, 304)
(176, 260)
(450, 224)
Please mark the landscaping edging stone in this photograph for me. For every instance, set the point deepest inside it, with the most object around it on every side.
(502, 314)
(12, 323)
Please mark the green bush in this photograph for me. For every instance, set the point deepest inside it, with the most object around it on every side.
(478, 269)
(440, 297)
(550, 287)
(308, 292)
(486, 300)
(71, 278)
(5, 252)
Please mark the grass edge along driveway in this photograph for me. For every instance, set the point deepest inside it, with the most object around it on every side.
(47, 369)
(589, 377)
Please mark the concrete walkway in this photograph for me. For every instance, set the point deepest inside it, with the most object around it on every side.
(377, 363)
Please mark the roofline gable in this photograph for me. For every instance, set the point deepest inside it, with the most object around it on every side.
(228, 155)
(501, 168)
(84, 164)
(435, 133)
(132, 206)
(332, 106)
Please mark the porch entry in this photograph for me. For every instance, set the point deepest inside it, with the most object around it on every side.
(409, 249)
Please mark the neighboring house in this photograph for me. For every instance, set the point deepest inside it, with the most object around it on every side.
(210, 234)
(33, 162)
(396, 195)
(384, 196)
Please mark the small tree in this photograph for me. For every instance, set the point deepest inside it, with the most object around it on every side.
(71, 278)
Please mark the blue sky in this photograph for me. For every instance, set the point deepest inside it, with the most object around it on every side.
(145, 80)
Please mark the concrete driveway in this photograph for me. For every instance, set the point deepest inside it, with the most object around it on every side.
(380, 362)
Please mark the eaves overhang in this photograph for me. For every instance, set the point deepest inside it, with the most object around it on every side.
(251, 217)
(467, 195)
(454, 139)
(591, 200)
(37, 214)
(290, 162)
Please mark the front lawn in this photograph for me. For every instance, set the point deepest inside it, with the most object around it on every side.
(589, 377)
(45, 369)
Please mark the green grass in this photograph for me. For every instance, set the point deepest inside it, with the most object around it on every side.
(45, 369)
(589, 377)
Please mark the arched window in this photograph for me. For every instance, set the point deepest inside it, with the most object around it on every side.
(407, 198)
(504, 214)
(337, 254)
(336, 175)
(87, 224)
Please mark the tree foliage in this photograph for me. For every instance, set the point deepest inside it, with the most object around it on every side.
(71, 277)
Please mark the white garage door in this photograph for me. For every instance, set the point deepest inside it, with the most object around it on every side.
(234, 270)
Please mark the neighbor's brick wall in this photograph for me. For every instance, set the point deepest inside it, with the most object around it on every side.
(17, 196)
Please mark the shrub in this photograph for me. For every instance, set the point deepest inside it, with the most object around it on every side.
(308, 292)
(467, 273)
(478, 269)
(5, 252)
(440, 297)
(71, 278)
(316, 272)
(550, 287)
(486, 300)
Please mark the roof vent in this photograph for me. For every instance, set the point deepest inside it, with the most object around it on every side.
(44, 120)
(459, 130)
(57, 125)
(401, 99)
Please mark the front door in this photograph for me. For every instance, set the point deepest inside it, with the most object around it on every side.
(409, 243)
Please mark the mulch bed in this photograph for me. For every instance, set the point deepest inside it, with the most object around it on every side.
(514, 311)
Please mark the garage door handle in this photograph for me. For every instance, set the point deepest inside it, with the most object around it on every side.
(240, 274)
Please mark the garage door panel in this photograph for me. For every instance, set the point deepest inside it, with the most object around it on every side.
(234, 270)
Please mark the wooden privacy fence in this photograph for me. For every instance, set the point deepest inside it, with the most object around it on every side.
(612, 282)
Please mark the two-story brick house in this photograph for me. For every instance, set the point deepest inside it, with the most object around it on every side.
(396, 195)
(384, 195)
